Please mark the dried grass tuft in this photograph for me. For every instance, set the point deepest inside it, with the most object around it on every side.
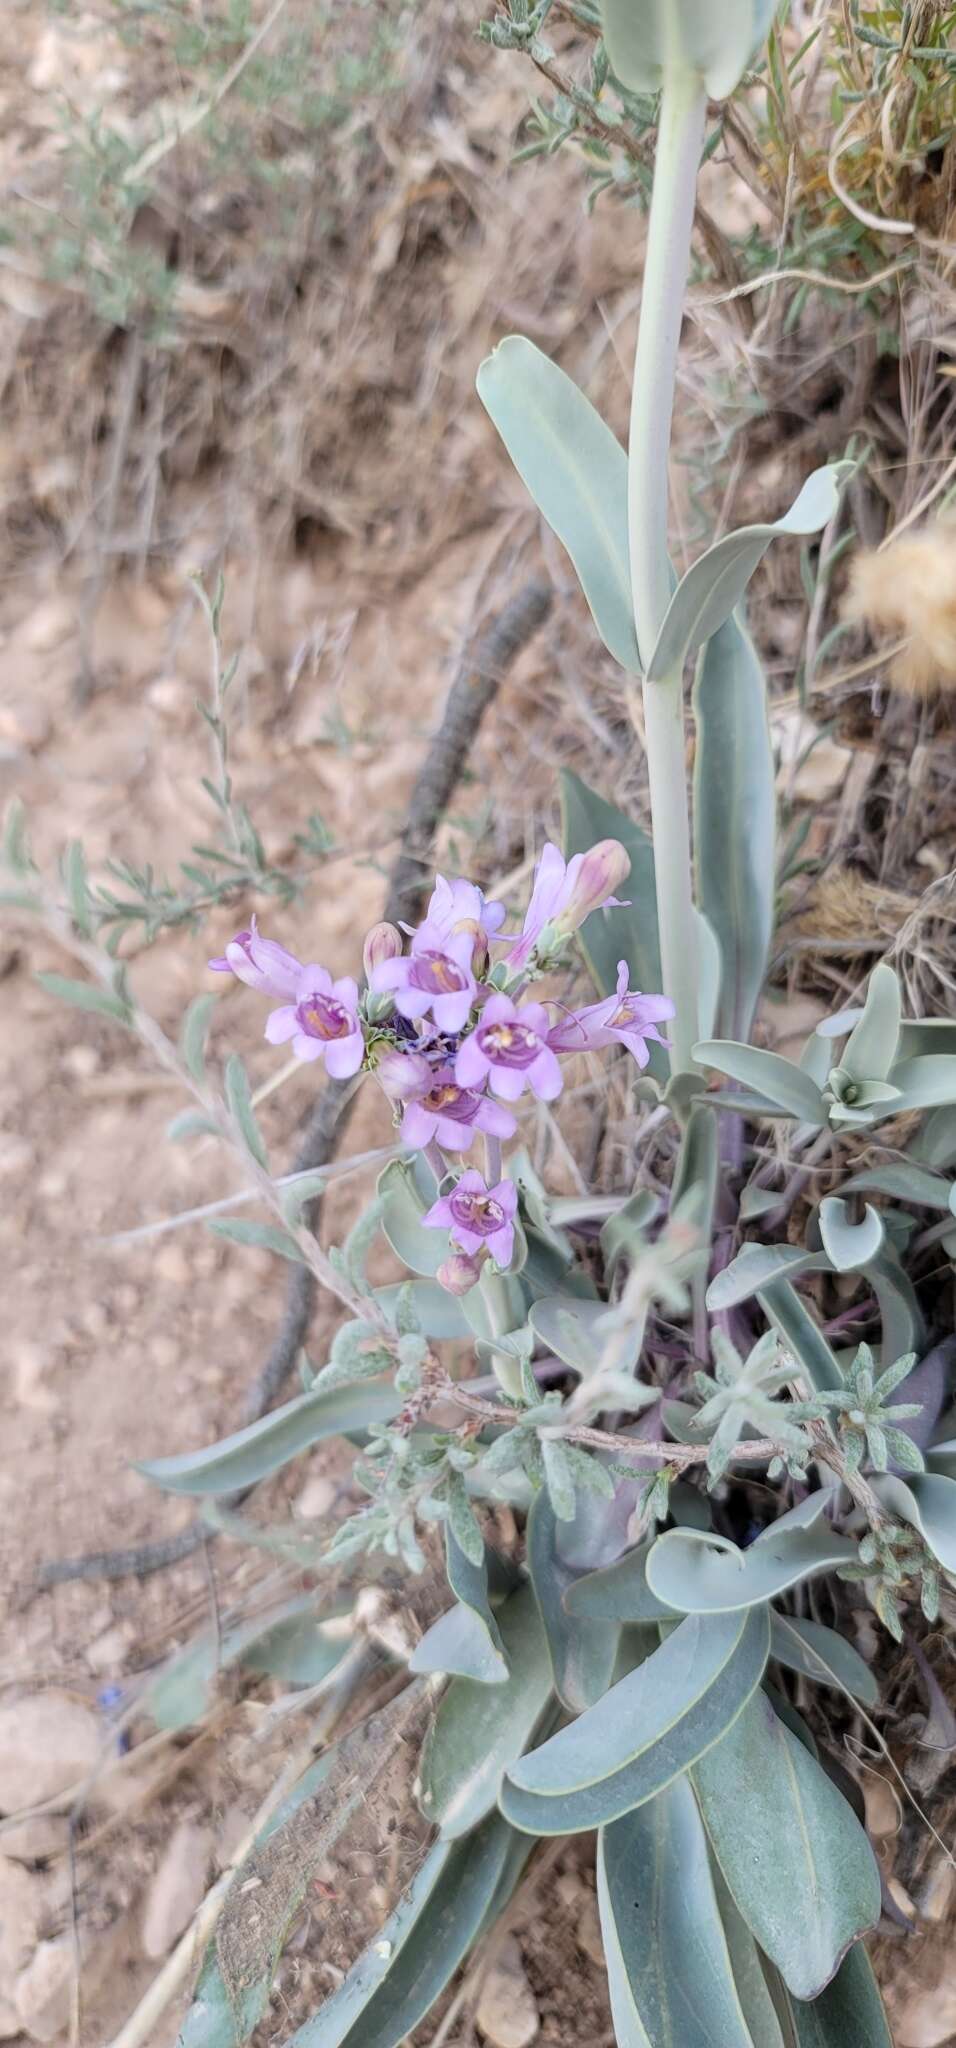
(845, 905)
(907, 593)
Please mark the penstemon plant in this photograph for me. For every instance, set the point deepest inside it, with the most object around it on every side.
(617, 1369)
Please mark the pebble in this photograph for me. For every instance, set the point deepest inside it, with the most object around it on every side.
(823, 765)
(48, 1742)
(47, 625)
(507, 2014)
(178, 1887)
(882, 1805)
(19, 1921)
(32, 1841)
(937, 1897)
(589, 1932)
(316, 1498)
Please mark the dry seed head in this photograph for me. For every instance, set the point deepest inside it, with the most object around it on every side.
(907, 592)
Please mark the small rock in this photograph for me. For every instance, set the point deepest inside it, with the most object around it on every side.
(108, 1651)
(25, 727)
(172, 697)
(507, 2014)
(32, 1841)
(812, 767)
(570, 1889)
(882, 1806)
(48, 1742)
(177, 1889)
(316, 1498)
(44, 1990)
(937, 1896)
(48, 624)
(19, 1920)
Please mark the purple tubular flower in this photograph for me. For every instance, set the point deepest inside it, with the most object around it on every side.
(627, 1018)
(452, 1114)
(476, 1216)
(565, 893)
(436, 975)
(509, 1048)
(323, 1022)
(403, 1074)
(462, 906)
(260, 963)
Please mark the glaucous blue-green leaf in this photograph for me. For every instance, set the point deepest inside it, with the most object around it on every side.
(927, 1501)
(438, 1313)
(709, 975)
(735, 819)
(670, 1973)
(421, 1250)
(289, 1643)
(576, 472)
(920, 1035)
(698, 1572)
(871, 1047)
(903, 1183)
(583, 1648)
(849, 1245)
(848, 2014)
(647, 1729)
(710, 591)
(791, 1318)
(755, 1267)
(575, 1330)
(821, 1654)
(934, 1143)
(465, 1641)
(768, 1073)
(928, 1082)
(901, 1319)
(398, 1977)
(792, 1852)
(478, 1730)
(647, 37)
(618, 1592)
(629, 933)
(240, 1460)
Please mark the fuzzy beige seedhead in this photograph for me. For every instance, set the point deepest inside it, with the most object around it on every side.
(906, 593)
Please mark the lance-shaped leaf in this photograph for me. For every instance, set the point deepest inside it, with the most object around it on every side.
(583, 1648)
(619, 1592)
(903, 1183)
(791, 1318)
(735, 819)
(437, 1313)
(398, 1977)
(768, 1073)
(645, 38)
(849, 1245)
(927, 1501)
(629, 933)
(403, 1206)
(755, 1267)
(479, 1730)
(920, 1035)
(576, 471)
(712, 589)
(871, 1048)
(670, 1971)
(848, 2014)
(465, 1641)
(793, 1854)
(649, 1728)
(702, 1573)
(242, 1459)
(578, 1332)
(935, 1141)
(821, 1654)
(925, 1083)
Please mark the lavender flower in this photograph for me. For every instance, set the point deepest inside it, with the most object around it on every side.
(477, 1216)
(627, 1018)
(509, 1048)
(383, 942)
(565, 893)
(323, 1022)
(452, 1114)
(436, 975)
(260, 963)
(462, 906)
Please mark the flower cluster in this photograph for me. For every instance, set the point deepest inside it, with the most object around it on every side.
(449, 1032)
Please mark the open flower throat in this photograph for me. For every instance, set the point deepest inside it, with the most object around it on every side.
(509, 1045)
(324, 1017)
(477, 1212)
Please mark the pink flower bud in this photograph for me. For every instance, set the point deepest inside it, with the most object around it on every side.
(601, 871)
(479, 954)
(403, 1075)
(384, 942)
(459, 1274)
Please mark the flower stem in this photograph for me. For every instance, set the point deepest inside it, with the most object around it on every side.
(679, 141)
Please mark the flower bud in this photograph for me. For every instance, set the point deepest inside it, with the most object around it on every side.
(479, 950)
(459, 1274)
(646, 38)
(601, 871)
(402, 1075)
(384, 942)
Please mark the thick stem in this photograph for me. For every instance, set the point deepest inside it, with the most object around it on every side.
(679, 141)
